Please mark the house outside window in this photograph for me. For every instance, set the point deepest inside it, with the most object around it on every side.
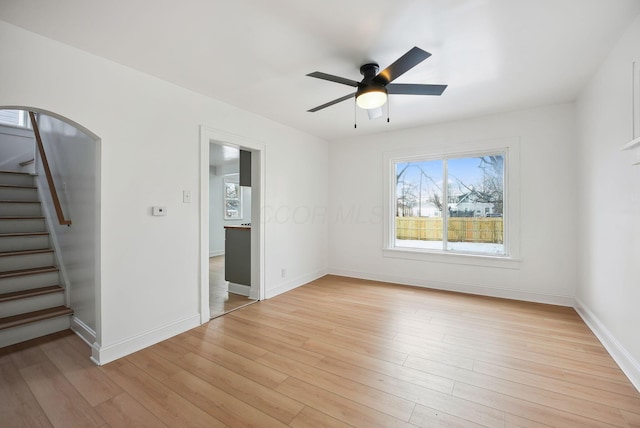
(458, 203)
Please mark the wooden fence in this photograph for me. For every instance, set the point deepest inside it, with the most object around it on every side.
(461, 229)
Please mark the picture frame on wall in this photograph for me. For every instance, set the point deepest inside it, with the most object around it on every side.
(232, 193)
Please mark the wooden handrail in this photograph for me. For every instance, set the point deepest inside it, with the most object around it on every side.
(47, 171)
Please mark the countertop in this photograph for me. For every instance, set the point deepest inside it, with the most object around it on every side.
(238, 226)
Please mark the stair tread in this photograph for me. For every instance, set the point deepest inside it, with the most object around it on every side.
(16, 186)
(15, 295)
(29, 317)
(25, 252)
(14, 234)
(29, 271)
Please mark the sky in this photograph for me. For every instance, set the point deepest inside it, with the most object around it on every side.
(464, 169)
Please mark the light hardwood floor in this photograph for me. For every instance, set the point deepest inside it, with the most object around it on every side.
(337, 352)
(220, 300)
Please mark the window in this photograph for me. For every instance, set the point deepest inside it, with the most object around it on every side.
(232, 197)
(455, 204)
(19, 118)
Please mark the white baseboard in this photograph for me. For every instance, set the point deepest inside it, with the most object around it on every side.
(240, 289)
(527, 296)
(105, 354)
(84, 331)
(216, 253)
(294, 283)
(627, 363)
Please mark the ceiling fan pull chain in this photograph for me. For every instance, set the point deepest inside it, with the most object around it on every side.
(355, 115)
(388, 102)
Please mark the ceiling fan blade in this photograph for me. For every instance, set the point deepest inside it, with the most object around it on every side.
(403, 64)
(374, 113)
(332, 78)
(330, 103)
(415, 89)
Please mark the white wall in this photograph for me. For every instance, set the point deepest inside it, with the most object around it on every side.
(547, 271)
(16, 145)
(216, 207)
(72, 157)
(609, 220)
(150, 274)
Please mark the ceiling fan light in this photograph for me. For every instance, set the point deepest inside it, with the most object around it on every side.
(371, 97)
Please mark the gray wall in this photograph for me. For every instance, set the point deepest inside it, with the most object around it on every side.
(73, 158)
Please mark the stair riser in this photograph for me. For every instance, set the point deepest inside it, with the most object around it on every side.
(32, 330)
(15, 226)
(16, 194)
(20, 283)
(19, 243)
(10, 336)
(17, 209)
(26, 261)
(30, 304)
(16, 179)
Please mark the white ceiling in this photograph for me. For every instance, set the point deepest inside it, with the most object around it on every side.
(495, 55)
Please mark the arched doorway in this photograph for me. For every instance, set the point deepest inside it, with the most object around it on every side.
(63, 255)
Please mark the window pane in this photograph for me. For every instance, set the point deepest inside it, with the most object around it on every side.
(232, 197)
(475, 204)
(10, 117)
(419, 204)
(15, 118)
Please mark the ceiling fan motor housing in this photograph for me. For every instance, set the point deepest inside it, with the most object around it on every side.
(369, 71)
(363, 88)
(369, 83)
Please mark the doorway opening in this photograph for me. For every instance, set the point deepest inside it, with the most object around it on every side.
(229, 231)
(57, 198)
(232, 244)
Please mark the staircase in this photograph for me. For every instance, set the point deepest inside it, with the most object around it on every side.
(32, 301)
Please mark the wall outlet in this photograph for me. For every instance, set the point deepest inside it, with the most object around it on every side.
(283, 273)
(158, 211)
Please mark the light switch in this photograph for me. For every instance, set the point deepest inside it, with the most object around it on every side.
(186, 196)
(158, 211)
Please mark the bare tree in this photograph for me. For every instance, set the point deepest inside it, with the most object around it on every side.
(411, 194)
(491, 188)
(407, 199)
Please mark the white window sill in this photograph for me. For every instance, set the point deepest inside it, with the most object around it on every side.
(483, 260)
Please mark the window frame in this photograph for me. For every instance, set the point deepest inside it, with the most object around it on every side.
(511, 210)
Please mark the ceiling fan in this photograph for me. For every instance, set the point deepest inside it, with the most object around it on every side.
(373, 89)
